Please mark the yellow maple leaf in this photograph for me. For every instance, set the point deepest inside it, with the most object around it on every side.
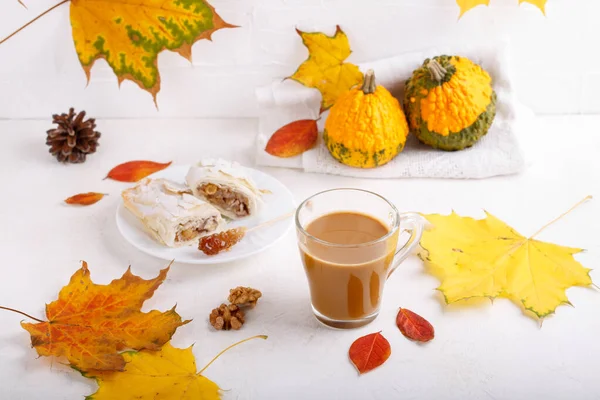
(167, 374)
(90, 323)
(130, 34)
(325, 68)
(487, 258)
(466, 5)
(541, 4)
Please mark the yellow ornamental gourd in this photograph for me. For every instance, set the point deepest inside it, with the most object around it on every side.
(366, 127)
(450, 102)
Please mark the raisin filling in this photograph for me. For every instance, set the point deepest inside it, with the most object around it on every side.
(191, 229)
(226, 198)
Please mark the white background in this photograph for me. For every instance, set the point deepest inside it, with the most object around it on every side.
(556, 62)
(480, 351)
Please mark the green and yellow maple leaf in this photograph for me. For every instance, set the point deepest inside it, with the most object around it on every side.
(326, 69)
(129, 34)
(466, 5)
(487, 258)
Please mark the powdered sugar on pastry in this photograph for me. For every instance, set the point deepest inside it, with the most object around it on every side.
(172, 215)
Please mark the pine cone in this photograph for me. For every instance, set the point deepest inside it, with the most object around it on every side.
(227, 317)
(74, 138)
(244, 296)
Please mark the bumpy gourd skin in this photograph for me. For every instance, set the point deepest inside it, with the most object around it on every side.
(365, 130)
(454, 110)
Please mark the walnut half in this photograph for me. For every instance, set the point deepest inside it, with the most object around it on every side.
(227, 317)
(244, 296)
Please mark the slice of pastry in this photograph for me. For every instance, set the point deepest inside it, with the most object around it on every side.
(170, 213)
(226, 186)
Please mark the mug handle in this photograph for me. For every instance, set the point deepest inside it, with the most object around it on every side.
(413, 223)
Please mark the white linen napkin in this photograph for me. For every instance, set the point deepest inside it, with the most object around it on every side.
(497, 153)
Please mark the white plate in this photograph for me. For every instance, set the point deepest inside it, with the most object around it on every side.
(279, 202)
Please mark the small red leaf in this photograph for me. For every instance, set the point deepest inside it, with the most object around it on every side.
(85, 199)
(293, 139)
(413, 326)
(133, 171)
(369, 352)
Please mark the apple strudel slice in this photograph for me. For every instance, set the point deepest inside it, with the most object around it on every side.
(172, 215)
(226, 186)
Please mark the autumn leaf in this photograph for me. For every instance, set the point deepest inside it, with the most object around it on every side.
(134, 171)
(369, 352)
(89, 323)
(466, 5)
(541, 4)
(293, 139)
(130, 35)
(325, 68)
(167, 374)
(487, 258)
(85, 199)
(413, 326)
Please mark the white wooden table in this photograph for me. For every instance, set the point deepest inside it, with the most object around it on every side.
(479, 352)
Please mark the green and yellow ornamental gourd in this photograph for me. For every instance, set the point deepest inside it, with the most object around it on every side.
(450, 102)
(366, 126)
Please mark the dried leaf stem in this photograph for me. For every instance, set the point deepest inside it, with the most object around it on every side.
(33, 20)
(561, 216)
(21, 3)
(20, 312)
(229, 347)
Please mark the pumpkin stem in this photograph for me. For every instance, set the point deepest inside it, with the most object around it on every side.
(436, 70)
(369, 84)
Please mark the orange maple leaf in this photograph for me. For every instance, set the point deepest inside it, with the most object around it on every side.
(89, 324)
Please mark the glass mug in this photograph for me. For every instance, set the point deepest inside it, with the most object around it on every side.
(346, 280)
